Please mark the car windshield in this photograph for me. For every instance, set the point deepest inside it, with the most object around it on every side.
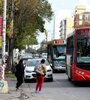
(46, 62)
(32, 63)
(35, 62)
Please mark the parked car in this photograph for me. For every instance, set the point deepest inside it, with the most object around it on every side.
(29, 72)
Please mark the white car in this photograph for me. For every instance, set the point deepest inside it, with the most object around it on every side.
(29, 72)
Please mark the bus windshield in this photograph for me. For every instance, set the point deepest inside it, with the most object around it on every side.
(83, 46)
(59, 50)
(60, 61)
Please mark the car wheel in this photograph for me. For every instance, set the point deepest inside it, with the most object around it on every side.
(51, 79)
(25, 80)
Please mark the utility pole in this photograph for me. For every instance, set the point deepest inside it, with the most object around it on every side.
(12, 38)
(4, 31)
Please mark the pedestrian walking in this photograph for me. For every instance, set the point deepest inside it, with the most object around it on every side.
(19, 73)
(40, 73)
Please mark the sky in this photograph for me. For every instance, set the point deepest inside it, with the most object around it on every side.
(61, 9)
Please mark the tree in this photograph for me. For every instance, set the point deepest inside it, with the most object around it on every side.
(1, 7)
(29, 19)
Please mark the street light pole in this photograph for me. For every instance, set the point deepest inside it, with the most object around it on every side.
(12, 8)
(4, 31)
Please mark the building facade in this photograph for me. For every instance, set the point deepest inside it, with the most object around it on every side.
(67, 24)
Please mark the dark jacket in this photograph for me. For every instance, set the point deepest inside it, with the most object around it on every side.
(19, 70)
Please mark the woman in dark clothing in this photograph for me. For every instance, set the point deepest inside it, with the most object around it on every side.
(19, 74)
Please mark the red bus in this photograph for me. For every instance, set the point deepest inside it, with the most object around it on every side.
(78, 55)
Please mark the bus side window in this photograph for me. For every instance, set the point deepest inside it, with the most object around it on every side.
(70, 48)
(71, 60)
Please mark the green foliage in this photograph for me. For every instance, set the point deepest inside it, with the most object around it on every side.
(9, 75)
(1, 7)
(29, 19)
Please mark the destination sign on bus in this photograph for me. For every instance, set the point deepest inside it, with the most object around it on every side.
(56, 42)
(85, 32)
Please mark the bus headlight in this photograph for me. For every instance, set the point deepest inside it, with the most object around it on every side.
(80, 72)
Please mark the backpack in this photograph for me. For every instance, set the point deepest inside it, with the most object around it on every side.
(40, 70)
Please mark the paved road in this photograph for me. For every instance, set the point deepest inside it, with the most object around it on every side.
(59, 89)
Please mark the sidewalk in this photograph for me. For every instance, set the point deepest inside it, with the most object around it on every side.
(24, 94)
